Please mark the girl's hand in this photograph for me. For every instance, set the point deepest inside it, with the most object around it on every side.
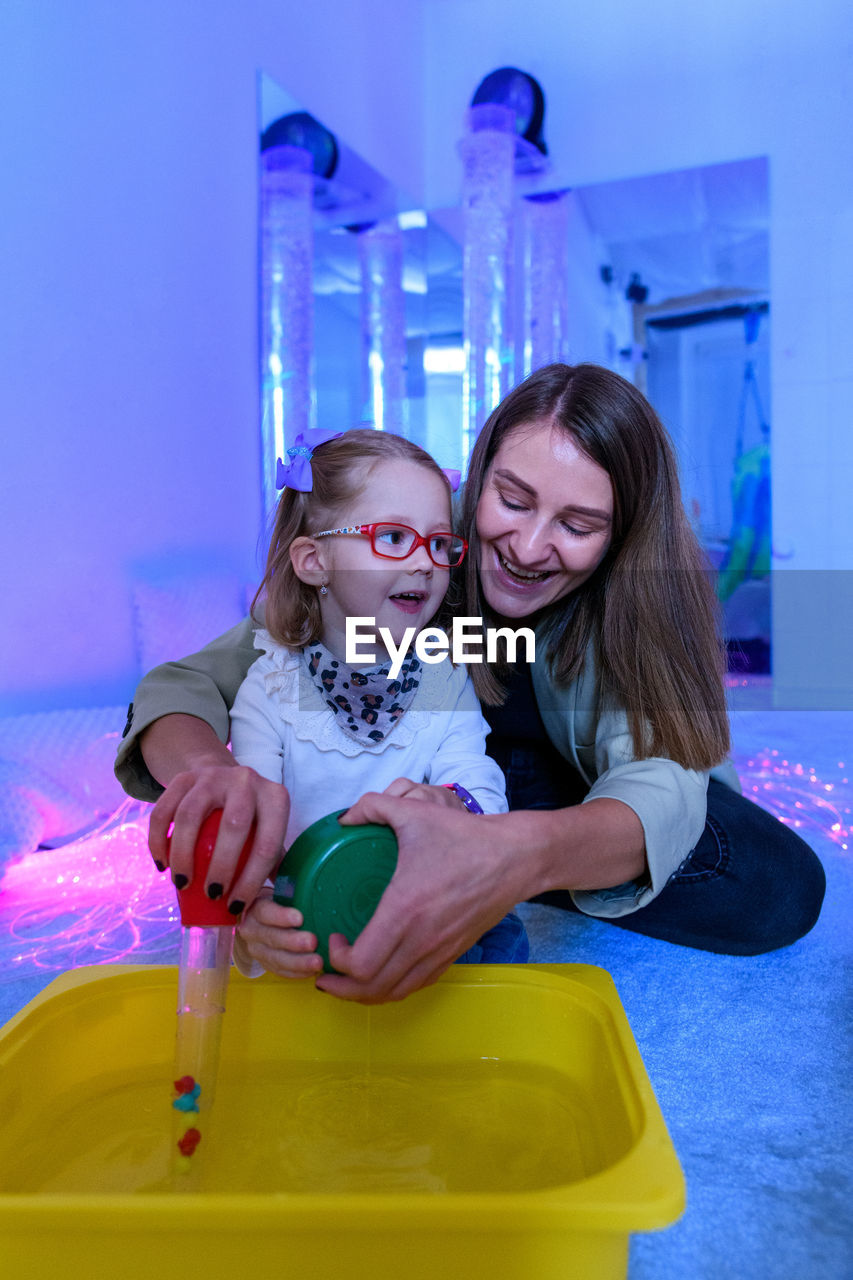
(404, 787)
(271, 936)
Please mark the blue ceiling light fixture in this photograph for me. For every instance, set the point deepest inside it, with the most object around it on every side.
(509, 87)
(299, 129)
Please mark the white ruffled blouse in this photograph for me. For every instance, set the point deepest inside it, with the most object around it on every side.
(281, 726)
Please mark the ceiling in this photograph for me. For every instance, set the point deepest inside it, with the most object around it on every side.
(687, 232)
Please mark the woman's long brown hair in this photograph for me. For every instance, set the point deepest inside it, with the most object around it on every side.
(649, 609)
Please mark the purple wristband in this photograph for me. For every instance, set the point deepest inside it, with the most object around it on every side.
(465, 796)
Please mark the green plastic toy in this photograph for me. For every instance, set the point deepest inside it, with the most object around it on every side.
(335, 876)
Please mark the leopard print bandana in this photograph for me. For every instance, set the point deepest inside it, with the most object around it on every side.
(366, 704)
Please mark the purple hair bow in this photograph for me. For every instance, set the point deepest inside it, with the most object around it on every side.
(296, 473)
(453, 477)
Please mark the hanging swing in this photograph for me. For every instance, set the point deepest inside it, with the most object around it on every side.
(748, 554)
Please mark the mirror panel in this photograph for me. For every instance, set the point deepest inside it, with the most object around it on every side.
(664, 272)
(355, 198)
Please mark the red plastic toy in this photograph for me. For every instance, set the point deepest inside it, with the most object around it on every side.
(195, 906)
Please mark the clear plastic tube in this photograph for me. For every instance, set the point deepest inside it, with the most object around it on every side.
(287, 305)
(546, 279)
(383, 324)
(202, 988)
(488, 162)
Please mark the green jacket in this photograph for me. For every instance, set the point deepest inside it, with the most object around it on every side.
(669, 801)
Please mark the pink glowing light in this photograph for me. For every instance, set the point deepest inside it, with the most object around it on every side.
(97, 900)
(797, 795)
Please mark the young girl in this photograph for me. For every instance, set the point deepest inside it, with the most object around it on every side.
(362, 530)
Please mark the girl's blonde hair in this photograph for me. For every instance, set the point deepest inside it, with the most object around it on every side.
(649, 610)
(340, 470)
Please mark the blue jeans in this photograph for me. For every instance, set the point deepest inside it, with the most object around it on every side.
(750, 885)
(506, 943)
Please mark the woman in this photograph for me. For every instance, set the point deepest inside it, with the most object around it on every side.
(576, 527)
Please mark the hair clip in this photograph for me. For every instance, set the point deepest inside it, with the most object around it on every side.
(453, 478)
(296, 474)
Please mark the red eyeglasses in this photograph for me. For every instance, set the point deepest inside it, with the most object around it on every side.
(399, 541)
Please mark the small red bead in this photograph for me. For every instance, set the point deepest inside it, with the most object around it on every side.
(186, 1084)
(189, 1142)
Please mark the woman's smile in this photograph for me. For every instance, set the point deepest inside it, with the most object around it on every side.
(522, 576)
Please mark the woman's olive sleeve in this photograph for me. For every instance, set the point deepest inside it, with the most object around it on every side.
(204, 685)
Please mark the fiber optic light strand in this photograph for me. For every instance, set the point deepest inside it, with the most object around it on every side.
(96, 900)
(798, 796)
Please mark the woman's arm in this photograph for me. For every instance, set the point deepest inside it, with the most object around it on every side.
(178, 742)
(668, 800)
(176, 739)
(438, 902)
(202, 775)
(202, 686)
(248, 786)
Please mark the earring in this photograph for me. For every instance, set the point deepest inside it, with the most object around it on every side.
(324, 589)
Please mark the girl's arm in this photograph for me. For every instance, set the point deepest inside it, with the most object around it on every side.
(257, 730)
(461, 756)
(270, 937)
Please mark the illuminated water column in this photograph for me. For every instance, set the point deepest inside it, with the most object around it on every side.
(287, 305)
(383, 324)
(488, 159)
(546, 279)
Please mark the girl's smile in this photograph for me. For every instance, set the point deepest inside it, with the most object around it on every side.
(397, 593)
(410, 602)
(544, 520)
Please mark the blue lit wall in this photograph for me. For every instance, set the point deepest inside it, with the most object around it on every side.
(128, 322)
(128, 396)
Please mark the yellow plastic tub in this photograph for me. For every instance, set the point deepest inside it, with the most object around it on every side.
(499, 1124)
